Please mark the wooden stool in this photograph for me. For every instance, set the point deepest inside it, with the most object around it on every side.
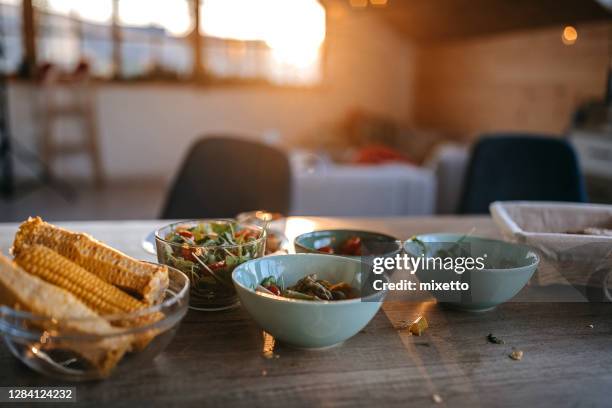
(79, 106)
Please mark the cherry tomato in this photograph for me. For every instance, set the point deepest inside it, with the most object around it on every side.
(187, 254)
(351, 246)
(326, 249)
(247, 233)
(274, 289)
(186, 234)
(217, 265)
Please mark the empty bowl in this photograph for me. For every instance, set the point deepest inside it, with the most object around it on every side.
(506, 268)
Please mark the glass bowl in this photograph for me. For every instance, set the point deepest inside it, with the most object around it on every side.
(275, 220)
(276, 240)
(209, 267)
(50, 347)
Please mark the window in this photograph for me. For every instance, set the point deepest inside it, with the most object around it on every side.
(68, 32)
(272, 41)
(277, 40)
(154, 38)
(10, 32)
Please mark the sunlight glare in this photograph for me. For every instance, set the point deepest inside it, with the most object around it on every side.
(294, 30)
(172, 15)
(95, 11)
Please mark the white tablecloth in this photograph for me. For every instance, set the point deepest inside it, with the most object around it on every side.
(358, 190)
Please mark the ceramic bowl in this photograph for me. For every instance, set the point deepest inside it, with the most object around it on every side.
(377, 243)
(303, 323)
(507, 268)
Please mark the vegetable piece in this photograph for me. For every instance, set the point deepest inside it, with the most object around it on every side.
(186, 234)
(147, 280)
(298, 295)
(343, 287)
(326, 249)
(309, 285)
(187, 253)
(262, 289)
(307, 288)
(100, 296)
(494, 340)
(419, 326)
(270, 280)
(217, 265)
(338, 295)
(351, 246)
(274, 289)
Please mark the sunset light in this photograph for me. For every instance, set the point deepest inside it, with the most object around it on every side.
(294, 30)
(172, 15)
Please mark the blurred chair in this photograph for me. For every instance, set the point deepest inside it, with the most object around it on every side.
(521, 167)
(223, 176)
(449, 163)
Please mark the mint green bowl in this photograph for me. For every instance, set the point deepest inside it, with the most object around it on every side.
(507, 269)
(303, 323)
(309, 242)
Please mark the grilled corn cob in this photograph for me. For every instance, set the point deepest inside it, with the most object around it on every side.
(99, 295)
(146, 280)
(23, 291)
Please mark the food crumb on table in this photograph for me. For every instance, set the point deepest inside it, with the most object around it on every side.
(419, 326)
(516, 355)
(494, 339)
(437, 398)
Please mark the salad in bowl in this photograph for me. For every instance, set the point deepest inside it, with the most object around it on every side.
(208, 251)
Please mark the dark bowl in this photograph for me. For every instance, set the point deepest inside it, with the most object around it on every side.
(373, 243)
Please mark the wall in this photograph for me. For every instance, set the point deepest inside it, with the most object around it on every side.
(515, 81)
(145, 129)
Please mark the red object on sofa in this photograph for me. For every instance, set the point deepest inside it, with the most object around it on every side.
(379, 154)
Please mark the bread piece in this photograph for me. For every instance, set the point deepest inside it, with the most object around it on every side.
(22, 291)
(145, 280)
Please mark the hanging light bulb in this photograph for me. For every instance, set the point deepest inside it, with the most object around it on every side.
(569, 35)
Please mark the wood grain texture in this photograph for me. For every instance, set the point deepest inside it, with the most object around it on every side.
(437, 20)
(520, 81)
(216, 359)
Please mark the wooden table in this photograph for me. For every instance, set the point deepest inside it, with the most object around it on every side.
(216, 358)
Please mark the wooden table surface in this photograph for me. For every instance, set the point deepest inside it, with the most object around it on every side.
(216, 359)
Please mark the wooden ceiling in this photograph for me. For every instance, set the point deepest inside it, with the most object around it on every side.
(435, 20)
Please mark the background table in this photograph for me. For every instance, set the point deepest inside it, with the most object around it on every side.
(217, 359)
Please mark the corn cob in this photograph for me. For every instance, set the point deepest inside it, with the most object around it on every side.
(145, 280)
(99, 295)
(23, 291)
